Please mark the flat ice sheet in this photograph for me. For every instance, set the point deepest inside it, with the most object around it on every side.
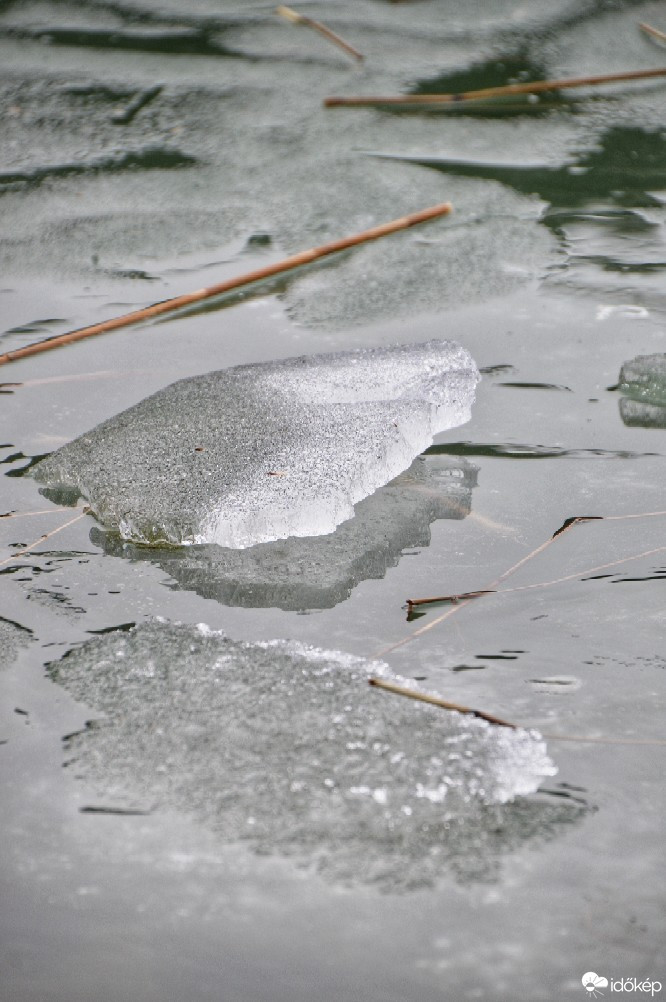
(287, 748)
(262, 452)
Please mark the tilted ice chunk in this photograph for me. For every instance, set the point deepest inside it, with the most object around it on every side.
(316, 572)
(288, 747)
(266, 451)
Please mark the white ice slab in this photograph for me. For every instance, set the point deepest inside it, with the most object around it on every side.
(267, 451)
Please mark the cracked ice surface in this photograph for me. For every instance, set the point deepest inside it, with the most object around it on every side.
(287, 747)
(266, 451)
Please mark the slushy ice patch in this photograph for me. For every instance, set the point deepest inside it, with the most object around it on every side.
(266, 451)
(288, 747)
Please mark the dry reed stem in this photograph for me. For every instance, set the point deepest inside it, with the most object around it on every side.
(640, 514)
(47, 535)
(605, 741)
(423, 697)
(260, 274)
(535, 87)
(295, 18)
(76, 377)
(578, 574)
(655, 33)
(544, 584)
(492, 586)
(469, 596)
(26, 514)
(453, 599)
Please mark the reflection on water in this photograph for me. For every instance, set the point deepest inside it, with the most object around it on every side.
(149, 158)
(515, 67)
(175, 41)
(626, 165)
(317, 572)
(643, 385)
(288, 748)
(634, 413)
(604, 205)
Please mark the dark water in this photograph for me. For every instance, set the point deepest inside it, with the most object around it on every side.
(149, 150)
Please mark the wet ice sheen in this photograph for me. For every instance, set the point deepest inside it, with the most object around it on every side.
(266, 451)
(287, 746)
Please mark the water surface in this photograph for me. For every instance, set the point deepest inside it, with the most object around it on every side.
(148, 151)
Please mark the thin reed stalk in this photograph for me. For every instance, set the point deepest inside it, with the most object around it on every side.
(486, 93)
(26, 514)
(307, 22)
(491, 587)
(259, 275)
(654, 33)
(43, 538)
(423, 697)
(400, 690)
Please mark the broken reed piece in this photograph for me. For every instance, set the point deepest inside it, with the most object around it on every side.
(295, 18)
(535, 87)
(453, 599)
(654, 33)
(27, 514)
(492, 587)
(260, 274)
(658, 742)
(44, 537)
(400, 690)
(569, 523)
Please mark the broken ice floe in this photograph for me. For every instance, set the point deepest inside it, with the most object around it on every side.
(643, 385)
(266, 451)
(317, 572)
(288, 748)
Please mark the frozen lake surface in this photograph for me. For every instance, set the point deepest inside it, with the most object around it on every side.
(202, 797)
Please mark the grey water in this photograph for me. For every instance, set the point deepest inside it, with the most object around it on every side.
(202, 797)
